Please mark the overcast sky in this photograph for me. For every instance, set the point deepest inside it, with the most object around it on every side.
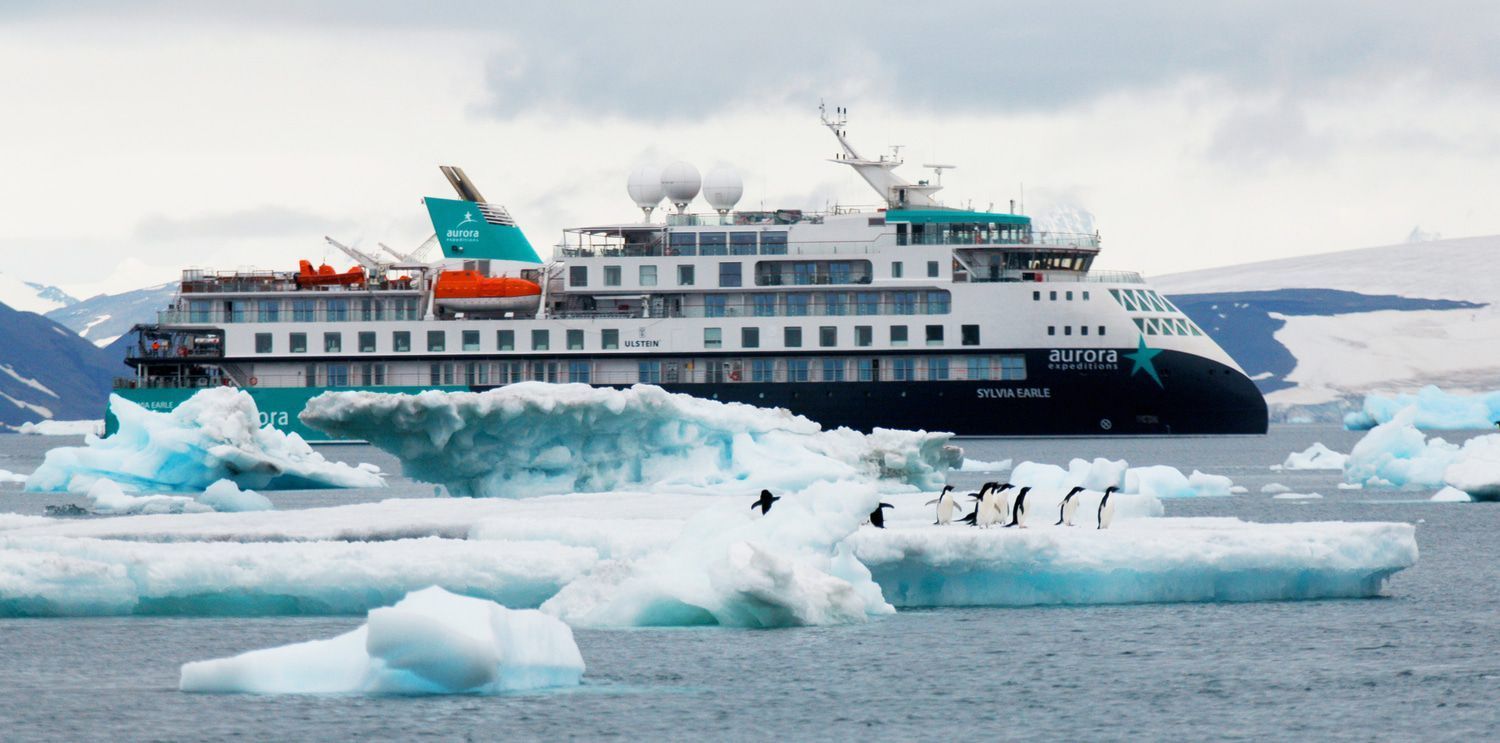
(139, 141)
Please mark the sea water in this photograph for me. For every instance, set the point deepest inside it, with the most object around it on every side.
(1420, 663)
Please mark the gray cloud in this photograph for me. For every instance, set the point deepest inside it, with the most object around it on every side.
(262, 221)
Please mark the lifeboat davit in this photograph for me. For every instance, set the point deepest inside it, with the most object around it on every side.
(472, 291)
(325, 275)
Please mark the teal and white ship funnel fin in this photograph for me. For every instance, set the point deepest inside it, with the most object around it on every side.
(474, 229)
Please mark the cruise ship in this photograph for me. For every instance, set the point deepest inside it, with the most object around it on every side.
(905, 314)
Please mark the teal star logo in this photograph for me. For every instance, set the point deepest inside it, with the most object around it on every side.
(1142, 359)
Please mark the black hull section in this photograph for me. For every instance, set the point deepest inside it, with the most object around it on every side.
(1196, 396)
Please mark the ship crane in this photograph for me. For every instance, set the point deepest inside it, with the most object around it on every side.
(415, 259)
(374, 266)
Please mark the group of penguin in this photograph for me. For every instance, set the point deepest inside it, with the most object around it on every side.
(992, 506)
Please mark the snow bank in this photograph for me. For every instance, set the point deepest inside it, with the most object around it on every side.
(62, 428)
(214, 435)
(535, 438)
(1315, 457)
(1396, 454)
(1136, 561)
(1435, 409)
(731, 566)
(1155, 481)
(430, 642)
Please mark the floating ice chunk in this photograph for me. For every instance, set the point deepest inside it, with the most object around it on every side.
(1434, 409)
(1238, 490)
(107, 498)
(1476, 469)
(1161, 481)
(1451, 494)
(431, 642)
(1350, 486)
(8, 476)
(1315, 457)
(1155, 481)
(214, 435)
(977, 465)
(1137, 561)
(1396, 454)
(732, 567)
(62, 428)
(535, 438)
(1297, 496)
(225, 496)
(1274, 488)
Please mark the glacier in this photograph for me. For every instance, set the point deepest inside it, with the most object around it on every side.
(214, 435)
(429, 642)
(536, 438)
(1436, 409)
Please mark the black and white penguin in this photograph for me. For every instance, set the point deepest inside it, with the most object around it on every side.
(973, 518)
(764, 504)
(992, 507)
(1069, 507)
(945, 505)
(877, 516)
(1107, 508)
(1018, 509)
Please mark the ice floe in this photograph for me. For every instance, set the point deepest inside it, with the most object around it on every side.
(1154, 481)
(979, 465)
(1298, 496)
(536, 438)
(1476, 469)
(430, 642)
(1315, 457)
(8, 476)
(1396, 454)
(1451, 495)
(214, 435)
(62, 428)
(1274, 488)
(1434, 409)
(106, 497)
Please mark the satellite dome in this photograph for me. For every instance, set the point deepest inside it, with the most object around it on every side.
(680, 181)
(722, 188)
(644, 186)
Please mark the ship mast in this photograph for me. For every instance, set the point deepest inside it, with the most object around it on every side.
(897, 192)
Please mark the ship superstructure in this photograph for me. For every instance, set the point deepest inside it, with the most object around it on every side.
(906, 314)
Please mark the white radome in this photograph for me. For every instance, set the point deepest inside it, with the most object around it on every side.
(681, 182)
(722, 188)
(645, 186)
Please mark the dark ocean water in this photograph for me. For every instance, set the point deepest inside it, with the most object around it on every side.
(1420, 663)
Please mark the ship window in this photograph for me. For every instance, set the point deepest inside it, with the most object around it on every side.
(836, 303)
(505, 340)
(903, 369)
(764, 305)
(762, 370)
(714, 305)
(1036, 296)
(797, 304)
(649, 372)
(366, 341)
(797, 370)
(979, 367)
(896, 269)
(828, 336)
(713, 337)
(868, 369)
(578, 371)
(333, 342)
(270, 311)
(437, 340)
(833, 370)
(609, 338)
(1101, 330)
(937, 303)
(712, 243)
(575, 340)
(338, 375)
(338, 310)
(578, 275)
(310, 376)
(1083, 330)
(470, 340)
(750, 337)
(684, 275)
(791, 337)
(1085, 296)
(905, 303)
(729, 273)
(1013, 368)
(302, 310)
(1052, 296)
(401, 341)
(937, 370)
(864, 335)
(773, 243)
(932, 269)
(1067, 330)
(867, 303)
(898, 335)
(611, 275)
(683, 243)
(262, 342)
(539, 340)
(1069, 296)
(1051, 330)
(742, 243)
(648, 275)
(969, 335)
(934, 335)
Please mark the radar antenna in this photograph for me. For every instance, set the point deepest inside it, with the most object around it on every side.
(897, 192)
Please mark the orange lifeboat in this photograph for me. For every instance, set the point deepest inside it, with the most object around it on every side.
(472, 291)
(325, 275)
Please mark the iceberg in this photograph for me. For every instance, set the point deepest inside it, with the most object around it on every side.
(1297, 496)
(1435, 410)
(227, 497)
(1155, 481)
(1274, 488)
(1396, 454)
(430, 642)
(62, 428)
(1451, 495)
(979, 465)
(214, 435)
(1476, 469)
(535, 438)
(1315, 457)
(107, 498)
(8, 476)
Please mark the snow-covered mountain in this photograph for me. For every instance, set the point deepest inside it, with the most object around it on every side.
(29, 296)
(104, 318)
(1319, 331)
(47, 372)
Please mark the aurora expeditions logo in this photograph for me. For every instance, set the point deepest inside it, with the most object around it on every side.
(459, 233)
(1083, 359)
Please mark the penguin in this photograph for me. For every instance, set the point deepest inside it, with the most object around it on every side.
(1069, 507)
(877, 516)
(945, 505)
(764, 504)
(992, 509)
(1106, 508)
(973, 518)
(1018, 511)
